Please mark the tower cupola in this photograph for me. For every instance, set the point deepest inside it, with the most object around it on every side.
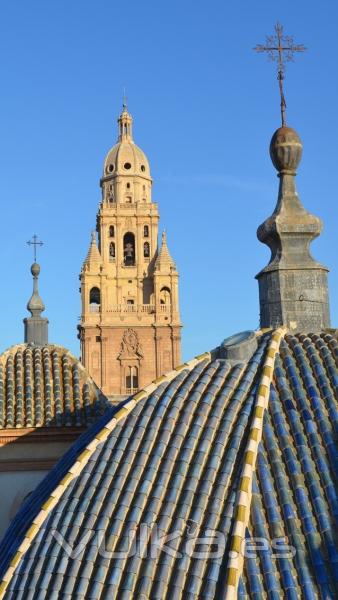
(126, 173)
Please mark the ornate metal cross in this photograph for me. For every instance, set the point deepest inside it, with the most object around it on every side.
(34, 242)
(280, 48)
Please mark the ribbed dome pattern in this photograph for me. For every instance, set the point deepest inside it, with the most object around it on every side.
(295, 487)
(46, 387)
(176, 460)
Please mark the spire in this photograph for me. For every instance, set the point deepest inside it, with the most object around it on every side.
(293, 287)
(93, 258)
(164, 262)
(36, 327)
(125, 122)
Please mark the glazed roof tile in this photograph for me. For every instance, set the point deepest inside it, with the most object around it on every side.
(46, 387)
(238, 451)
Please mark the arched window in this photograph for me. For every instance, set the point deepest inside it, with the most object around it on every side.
(165, 296)
(146, 250)
(131, 379)
(111, 250)
(146, 231)
(129, 249)
(111, 231)
(94, 299)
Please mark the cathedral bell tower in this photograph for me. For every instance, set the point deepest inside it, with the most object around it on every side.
(130, 322)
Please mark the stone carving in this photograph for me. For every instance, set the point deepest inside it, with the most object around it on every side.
(130, 345)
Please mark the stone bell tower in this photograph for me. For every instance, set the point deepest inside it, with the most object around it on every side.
(130, 322)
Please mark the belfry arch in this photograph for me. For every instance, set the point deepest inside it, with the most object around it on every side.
(129, 249)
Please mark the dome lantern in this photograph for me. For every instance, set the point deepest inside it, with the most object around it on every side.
(125, 122)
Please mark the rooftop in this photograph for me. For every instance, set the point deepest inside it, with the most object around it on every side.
(215, 454)
(46, 387)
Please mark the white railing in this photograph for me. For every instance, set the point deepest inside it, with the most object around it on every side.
(132, 308)
(164, 308)
(130, 391)
(130, 205)
(139, 308)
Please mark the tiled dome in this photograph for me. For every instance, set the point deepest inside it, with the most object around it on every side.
(218, 450)
(46, 387)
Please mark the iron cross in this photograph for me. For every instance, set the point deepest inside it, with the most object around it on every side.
(34, 242)
(280, 48)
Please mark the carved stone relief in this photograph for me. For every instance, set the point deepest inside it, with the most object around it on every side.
(130, 345)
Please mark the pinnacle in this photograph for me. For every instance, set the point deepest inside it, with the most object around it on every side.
(93, 257)
(164, 259)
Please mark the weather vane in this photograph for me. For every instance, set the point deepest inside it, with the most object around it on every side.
(280, 48)
(34, 242)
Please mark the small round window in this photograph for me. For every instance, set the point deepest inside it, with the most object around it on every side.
(127, 165)
(110, 168)
(143, 168)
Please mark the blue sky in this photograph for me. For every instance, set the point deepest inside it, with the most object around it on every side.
(204, 107)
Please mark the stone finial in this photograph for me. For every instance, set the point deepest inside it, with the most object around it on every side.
(35, 304)
(93, 258)
(293, 287)
(164, 260)
(36, 326)
(286, 150)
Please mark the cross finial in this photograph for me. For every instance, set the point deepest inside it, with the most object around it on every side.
(280, 48)
(34, 242)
